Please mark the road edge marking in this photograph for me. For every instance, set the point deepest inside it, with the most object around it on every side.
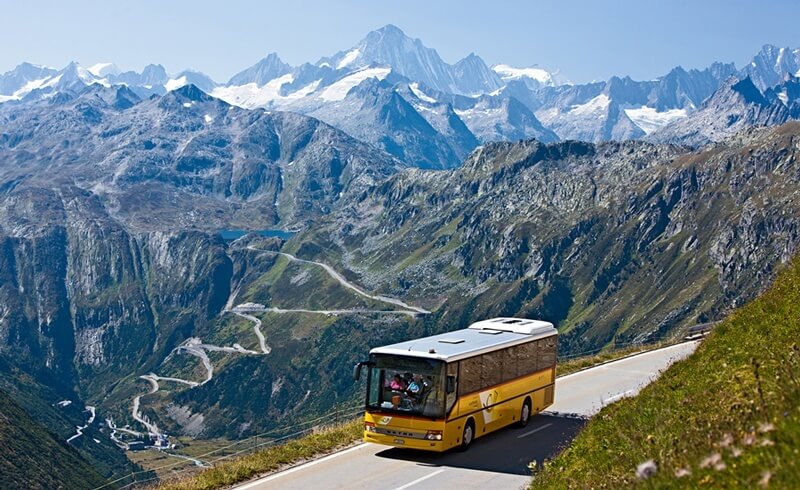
(298, 467)
(635, 354)
(420, 480)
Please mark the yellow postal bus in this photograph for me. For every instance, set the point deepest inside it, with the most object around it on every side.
(443, 391)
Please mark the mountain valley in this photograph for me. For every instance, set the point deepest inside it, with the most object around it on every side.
(410, 196)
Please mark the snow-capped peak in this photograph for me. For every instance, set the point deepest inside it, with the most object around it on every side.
(102, 70)
(539, 75)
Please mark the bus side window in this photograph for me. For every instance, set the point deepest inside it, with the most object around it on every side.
(470, 375)
(526, 358)
(450, 400)
(509, 363)
(547, 352)
(492, 371)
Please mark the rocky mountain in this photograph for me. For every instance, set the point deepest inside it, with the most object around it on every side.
(771, 65)
(518, 229)
(375, 111)
(788, 94)
(255, 168)
(111, 255)
(115, 281)
(123, 293)
(389, 46)
(736, 105)
(15, 81)
(268, 68)
(473, 77)
(617, 109)
(502, 119)
(152, 78)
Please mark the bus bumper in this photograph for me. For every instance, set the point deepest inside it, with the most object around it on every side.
(405, 442)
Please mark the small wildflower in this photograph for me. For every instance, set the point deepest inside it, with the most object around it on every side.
(736, 452)
(720, 466)
(646, 469)
(711, 460)
(681, 472)
(764, 481)
(767, 443)
(749, 440)
(765, 427)
(726, 440)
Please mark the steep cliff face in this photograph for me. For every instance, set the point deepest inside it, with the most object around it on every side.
(87, 299)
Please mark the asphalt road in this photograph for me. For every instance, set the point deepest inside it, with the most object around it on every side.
(498, 460)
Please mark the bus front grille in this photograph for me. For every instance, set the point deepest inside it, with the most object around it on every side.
(400, 433)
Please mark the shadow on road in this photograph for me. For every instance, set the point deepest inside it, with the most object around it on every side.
(508, 450)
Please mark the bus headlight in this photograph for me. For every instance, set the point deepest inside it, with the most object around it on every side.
(369, 427)
(434, 435)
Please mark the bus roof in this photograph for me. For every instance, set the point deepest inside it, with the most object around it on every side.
(483, 336)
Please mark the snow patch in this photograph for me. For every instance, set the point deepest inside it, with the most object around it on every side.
(649, 119)
(348, 58)
(101, 70)
(597, 105)
(339, 89)
(188, 104)
(251, 95)
(308, 89)
(175, 83)
(420, 94)
(208, 119)
(511, 73)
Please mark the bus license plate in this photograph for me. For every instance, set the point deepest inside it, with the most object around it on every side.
(399, 441)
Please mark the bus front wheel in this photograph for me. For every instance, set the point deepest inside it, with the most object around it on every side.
(525, 413)
(468, 436)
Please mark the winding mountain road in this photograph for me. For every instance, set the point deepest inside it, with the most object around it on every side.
(262, 342)
(79, 430)
(498, 460)
(196, 347)
(137, 414)
(344, 282)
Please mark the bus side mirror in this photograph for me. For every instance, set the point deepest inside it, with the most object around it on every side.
(357, 370)
(450, 385)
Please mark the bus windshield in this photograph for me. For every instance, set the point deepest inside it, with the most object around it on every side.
(406, 385)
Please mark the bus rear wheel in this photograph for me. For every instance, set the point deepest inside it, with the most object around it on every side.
(468, 436)
(525, 413)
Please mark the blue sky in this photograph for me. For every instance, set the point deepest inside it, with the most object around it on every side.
(586, 40)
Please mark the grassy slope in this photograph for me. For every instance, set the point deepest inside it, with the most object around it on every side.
(738, 397)
(32, 457)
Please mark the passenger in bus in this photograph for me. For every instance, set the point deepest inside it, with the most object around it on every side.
(397, 383)
(414, 389)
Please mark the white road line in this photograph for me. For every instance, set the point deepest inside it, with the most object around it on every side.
(300, 467)
(419, 480)
(534, 431)
(617, 396)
